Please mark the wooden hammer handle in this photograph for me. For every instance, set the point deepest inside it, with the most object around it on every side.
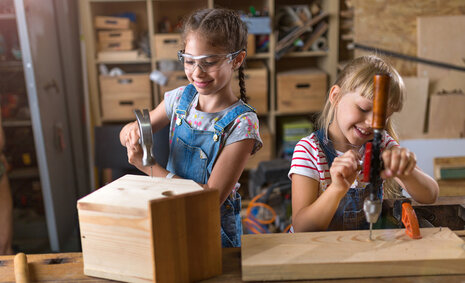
(21, 268)
(380, 98)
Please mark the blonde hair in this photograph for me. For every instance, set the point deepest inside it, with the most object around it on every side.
(358, 76)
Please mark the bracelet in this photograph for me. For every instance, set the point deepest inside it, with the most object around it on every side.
(169, 176)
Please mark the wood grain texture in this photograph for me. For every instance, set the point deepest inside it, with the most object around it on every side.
(186, 237)
(349, 254)
(117, 223)
(392, 25)
(410, 122)
(442, 39)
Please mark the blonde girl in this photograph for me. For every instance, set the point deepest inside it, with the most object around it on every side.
(327, 184)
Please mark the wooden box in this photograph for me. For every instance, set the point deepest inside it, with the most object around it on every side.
(265, 153)
(122, 94)
(121, 106)
(301, 90)
(175, 80)
(116, 35)
(143, 229)
(115, 45)
(127, 83)
(256, 86)
(167, 45)
(103, 22)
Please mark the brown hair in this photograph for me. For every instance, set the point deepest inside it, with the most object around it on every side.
(358, 76)
(221, 27)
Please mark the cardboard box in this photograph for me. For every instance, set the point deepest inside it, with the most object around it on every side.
(121, 95)
(301, 90)
(265, 153)
(143, 229)
(175, 80)
(167, 45)
(256, 86)
(116, 35)
(104, 22)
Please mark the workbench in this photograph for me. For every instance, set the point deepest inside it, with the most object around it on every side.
(68, 267)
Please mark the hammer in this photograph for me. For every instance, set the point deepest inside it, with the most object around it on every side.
(146, 137)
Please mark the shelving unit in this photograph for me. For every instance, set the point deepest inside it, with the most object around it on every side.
(152, 12)
(23, 174)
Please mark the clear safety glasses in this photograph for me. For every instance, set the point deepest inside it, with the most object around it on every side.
(208, 63)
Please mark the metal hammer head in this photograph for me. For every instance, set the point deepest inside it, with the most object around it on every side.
(146, 137)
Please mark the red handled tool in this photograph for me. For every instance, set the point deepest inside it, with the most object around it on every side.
(372, 163)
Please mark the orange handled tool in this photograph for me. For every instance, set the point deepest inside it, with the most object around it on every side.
(410, 220)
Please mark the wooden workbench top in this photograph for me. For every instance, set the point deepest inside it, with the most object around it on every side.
(67, 267)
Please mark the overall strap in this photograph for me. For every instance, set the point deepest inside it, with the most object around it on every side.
(186, 99)
(230, 116)
(327, 147)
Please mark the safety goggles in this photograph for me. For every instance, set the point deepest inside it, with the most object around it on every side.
(208, 63)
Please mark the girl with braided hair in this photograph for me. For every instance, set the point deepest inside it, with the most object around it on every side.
(212, 132)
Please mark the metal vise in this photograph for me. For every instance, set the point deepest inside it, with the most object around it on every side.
(146, 136)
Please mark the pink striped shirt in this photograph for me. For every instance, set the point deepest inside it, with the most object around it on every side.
(309, 160)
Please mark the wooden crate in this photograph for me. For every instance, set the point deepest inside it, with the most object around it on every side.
(350, 254)
(127, 83)
(175, 80)
(115, 35)
(122, 94)
(121, 106)
(167, 45)
(104, 22)
(142, 229)
(256, 86)
(121, 45)
(301, 90)
(265, 153)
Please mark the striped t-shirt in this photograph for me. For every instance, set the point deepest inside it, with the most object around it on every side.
(309, 160)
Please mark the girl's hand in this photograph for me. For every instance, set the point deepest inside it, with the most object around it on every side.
(398, 162)
(344, 169)
(130, 138)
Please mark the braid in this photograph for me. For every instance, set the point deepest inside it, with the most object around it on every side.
(242, 84)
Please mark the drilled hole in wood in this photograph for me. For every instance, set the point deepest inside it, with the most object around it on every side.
(2, 262)
(57, 260)
(168, 193)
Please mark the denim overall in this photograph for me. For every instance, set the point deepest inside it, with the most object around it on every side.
(349, 214)
(193, 154)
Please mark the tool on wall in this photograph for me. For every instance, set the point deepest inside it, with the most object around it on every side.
(146, 137)
(372, 164)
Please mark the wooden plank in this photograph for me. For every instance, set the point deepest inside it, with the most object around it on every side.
(410, 122)
(186, 237)
(442, 39)
(349, 254)
(451, 187)
(446, 116)
(393, 26)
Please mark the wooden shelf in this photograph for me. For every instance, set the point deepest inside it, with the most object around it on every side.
(11, 65)
(137, 61)
(24, 173)
(7, 17)
(306, 54)
(156, 11)
(17, 123)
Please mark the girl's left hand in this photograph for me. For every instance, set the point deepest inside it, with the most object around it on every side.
(398, 162)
